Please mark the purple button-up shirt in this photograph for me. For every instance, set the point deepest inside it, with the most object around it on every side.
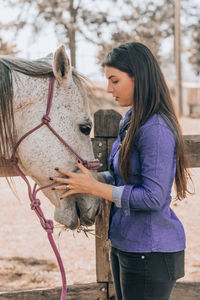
(141, 219)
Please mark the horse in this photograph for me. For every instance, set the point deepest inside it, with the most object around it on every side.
(23, 99)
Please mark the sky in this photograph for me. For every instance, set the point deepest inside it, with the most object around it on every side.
(46, 43)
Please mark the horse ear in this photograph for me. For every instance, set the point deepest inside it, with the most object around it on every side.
(61, 64)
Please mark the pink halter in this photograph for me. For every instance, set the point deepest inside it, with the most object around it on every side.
(35, 202)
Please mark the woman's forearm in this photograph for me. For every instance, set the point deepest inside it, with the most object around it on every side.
(102, 190)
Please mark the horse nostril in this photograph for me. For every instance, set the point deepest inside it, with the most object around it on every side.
(98, 210)
(77, 210)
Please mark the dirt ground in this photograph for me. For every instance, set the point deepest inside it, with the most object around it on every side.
(26, 258)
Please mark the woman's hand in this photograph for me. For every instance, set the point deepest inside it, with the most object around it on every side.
(75, 183)
(82, 183)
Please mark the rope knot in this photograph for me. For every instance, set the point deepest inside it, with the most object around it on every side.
(48, 226)
(46, 119)
(35, 203)
(86, 164)
(92, 164)
(14, 160)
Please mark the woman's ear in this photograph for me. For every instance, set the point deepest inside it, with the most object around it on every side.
(61, 65)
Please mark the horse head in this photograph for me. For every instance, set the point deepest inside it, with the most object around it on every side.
(27, 83)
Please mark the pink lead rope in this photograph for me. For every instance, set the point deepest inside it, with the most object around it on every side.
(35, 202)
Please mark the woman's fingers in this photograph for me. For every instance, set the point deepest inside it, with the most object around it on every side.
(64, 172)
(68, 193)
(82, 168)
(61, 180)
(60, 187)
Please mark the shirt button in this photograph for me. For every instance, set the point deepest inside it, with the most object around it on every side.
(142, 257)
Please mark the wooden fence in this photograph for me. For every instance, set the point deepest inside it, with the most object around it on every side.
(106, 124)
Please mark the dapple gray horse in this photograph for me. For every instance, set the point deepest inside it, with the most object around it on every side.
(23, 99)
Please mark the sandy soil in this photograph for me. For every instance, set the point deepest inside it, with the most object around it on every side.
(27, 261)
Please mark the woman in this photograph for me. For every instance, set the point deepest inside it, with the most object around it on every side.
(147, 238)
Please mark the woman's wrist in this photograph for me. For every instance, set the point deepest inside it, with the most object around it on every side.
(102, 190)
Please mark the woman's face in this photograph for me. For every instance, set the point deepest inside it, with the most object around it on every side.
(120, 85)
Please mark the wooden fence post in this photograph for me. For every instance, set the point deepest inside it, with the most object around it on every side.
(106, 125)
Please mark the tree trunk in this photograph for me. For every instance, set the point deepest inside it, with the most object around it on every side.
(177, 46)
(72, 33)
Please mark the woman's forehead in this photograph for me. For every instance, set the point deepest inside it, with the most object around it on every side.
(112, 72)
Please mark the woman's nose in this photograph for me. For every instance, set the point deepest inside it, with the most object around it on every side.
(109, 88)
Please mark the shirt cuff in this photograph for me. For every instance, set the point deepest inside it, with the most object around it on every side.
(109, 179)
(117, 195)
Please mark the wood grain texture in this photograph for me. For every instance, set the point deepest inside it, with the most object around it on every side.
(90, 291)
(193, 150)
(106, 123)
(103, 270)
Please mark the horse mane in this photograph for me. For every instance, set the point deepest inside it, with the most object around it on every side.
(35, 68)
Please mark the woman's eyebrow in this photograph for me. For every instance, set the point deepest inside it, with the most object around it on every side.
(111, 76)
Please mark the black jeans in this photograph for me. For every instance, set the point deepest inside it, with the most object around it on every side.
(145, 276)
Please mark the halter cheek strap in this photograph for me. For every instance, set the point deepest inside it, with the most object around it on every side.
(34, 201)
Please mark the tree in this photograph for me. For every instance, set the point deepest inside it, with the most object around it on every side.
(69, 18)
(148, 22)
(191, 31)
(6, 48)
(195, 49)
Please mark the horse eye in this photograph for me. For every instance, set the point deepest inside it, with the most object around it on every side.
(85, 128)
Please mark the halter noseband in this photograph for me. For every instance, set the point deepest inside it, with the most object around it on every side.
(35, 202)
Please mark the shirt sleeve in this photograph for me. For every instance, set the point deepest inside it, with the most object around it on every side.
(117, 190)
(156, 147)
(117, 195)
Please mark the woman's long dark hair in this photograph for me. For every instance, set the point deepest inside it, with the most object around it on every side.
(151, 95)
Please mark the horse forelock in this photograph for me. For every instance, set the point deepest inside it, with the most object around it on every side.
(35, 68)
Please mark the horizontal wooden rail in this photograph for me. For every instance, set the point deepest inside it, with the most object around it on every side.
(102, 145)
(96, 291)
(90, 291)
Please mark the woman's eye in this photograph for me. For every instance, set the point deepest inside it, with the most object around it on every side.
(85, 128)
(115, 82)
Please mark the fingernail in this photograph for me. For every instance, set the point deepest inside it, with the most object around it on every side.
(56, 169)
(53, 189)
(50, 178)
